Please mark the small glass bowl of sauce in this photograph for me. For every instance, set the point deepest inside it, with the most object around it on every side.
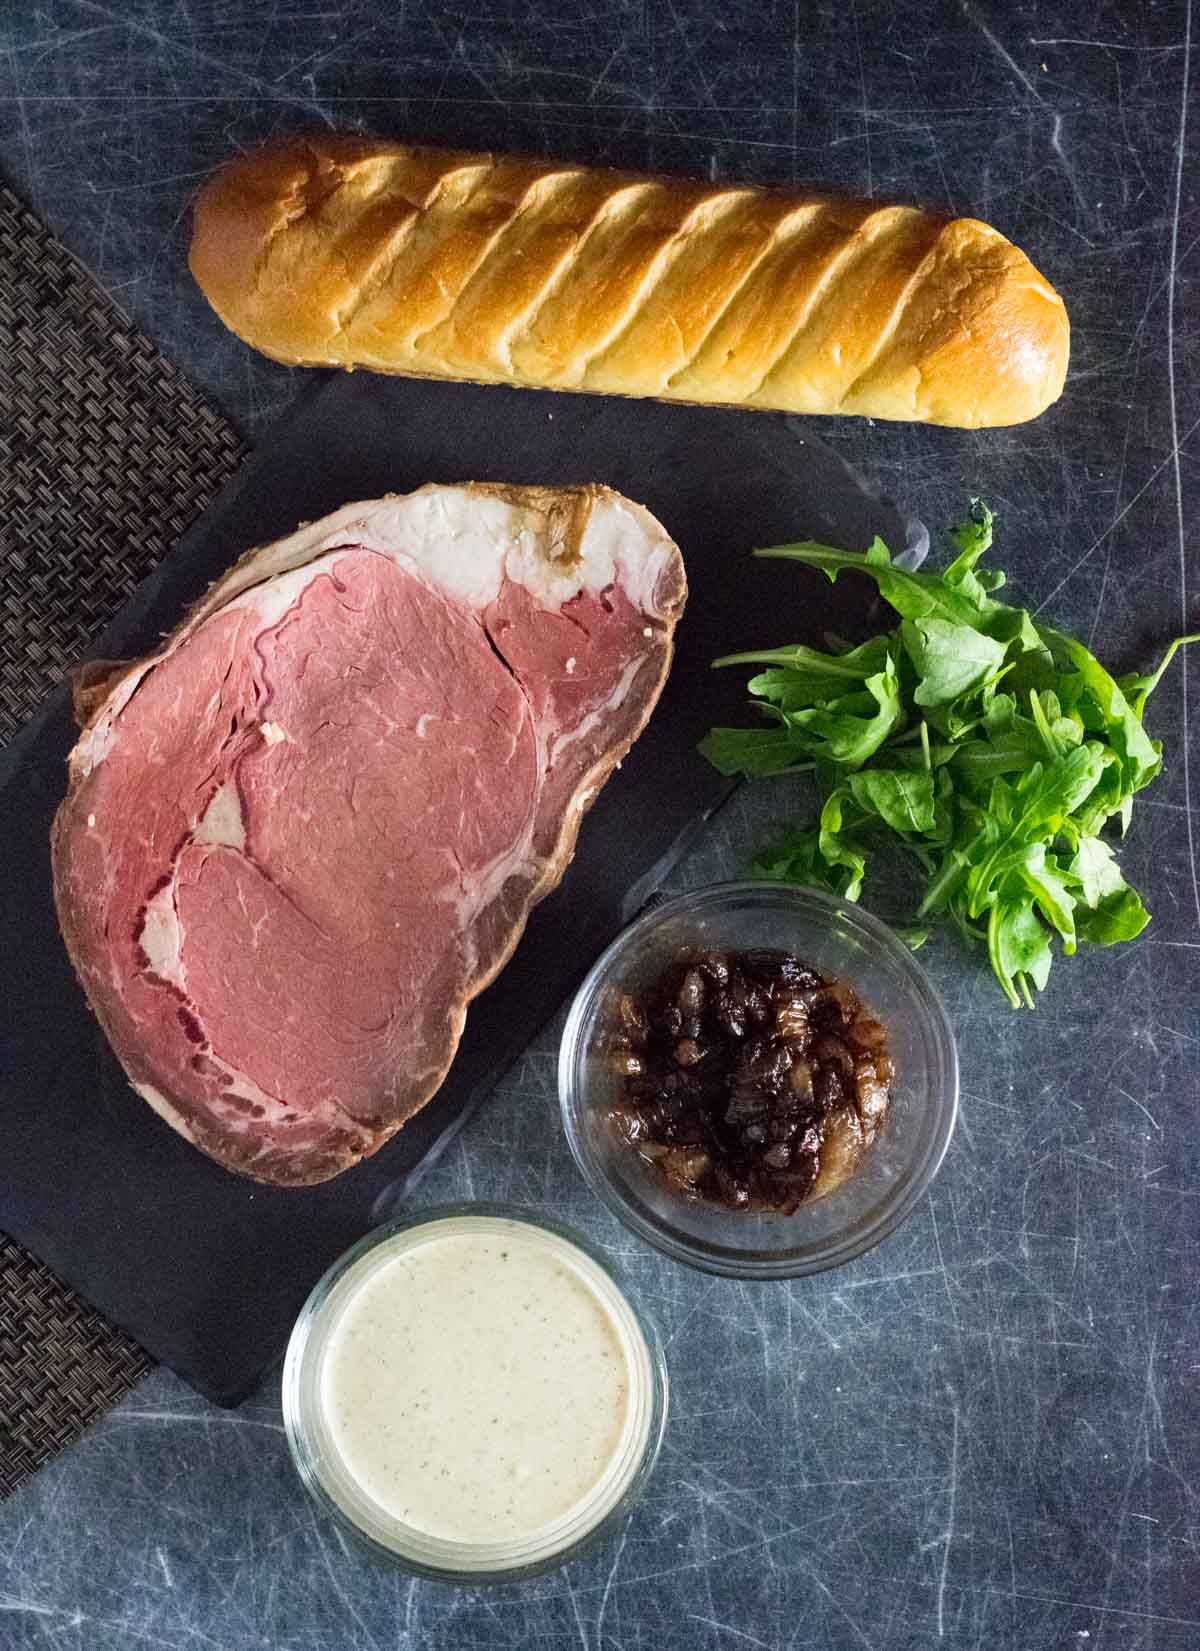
(472, 1395)
(759, 1079)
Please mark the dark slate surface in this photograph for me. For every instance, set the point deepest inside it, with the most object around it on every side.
(210, 1283)
(983, 1435)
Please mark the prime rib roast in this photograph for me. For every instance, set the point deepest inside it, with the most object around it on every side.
(302, 835)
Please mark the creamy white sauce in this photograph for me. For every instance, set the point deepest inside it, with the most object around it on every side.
(482, 1384)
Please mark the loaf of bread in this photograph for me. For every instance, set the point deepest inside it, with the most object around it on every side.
(348, 252)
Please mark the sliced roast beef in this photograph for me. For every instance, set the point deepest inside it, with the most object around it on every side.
(302, 836)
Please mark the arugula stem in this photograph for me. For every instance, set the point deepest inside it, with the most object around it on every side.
(829, 665)
(1151, 682)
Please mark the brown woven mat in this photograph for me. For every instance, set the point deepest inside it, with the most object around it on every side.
(106, 455)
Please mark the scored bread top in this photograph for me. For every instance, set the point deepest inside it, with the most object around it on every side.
(347, 251)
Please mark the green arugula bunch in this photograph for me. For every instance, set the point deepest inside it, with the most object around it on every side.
(993, 748)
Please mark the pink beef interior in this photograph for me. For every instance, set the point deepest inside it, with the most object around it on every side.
(316, 832)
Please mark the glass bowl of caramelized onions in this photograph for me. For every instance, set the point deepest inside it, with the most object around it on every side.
(758, 1079)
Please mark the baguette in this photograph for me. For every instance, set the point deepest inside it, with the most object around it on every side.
(341, 251)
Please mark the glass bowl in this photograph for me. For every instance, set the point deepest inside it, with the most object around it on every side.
(324, 1471)
(839, 939)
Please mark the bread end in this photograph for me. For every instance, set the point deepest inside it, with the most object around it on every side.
(1005, 358)
(279, 293)
(984, 343)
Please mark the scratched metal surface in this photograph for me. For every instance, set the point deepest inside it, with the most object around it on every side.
(984, 1434)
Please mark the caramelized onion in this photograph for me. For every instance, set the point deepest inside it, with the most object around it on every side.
(749, 1079)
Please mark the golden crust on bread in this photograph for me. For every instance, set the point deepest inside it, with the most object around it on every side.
(345, 251)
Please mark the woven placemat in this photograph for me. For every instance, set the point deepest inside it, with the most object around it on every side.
(106, 455)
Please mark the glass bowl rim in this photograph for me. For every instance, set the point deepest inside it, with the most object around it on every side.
(764, 1264)
(296, 1429)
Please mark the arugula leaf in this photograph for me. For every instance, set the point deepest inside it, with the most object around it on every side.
(794, 857)
(1043, 878)
(1095, 870)
(1112, 798)
(904, 800)
(790, 692)
(838, 851)
(1043, 799)
(802, 691)
(845, 731)
(913, 595)
(972, 538)
(797, 857)
(1016, 629)
(853, 663)
(977, 761)
(994, 749)
(754, 752)
(1117, 916)
(950, 660)
(1141, 755)
(945, 884)
(1019, 948)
